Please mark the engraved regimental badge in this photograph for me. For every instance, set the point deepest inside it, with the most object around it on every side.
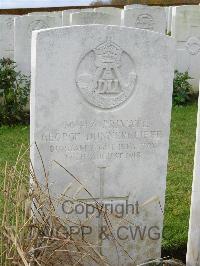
(193, 45)
(105, 76)
(145, 21)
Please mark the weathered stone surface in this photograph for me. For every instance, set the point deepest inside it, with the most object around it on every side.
(145, 17)
(83, 18)
(193, 248)
(57, 14)
(66, 14)
(87, 10)
(41, 13)
(109, 10)
(7, 36)
(186, 31)
(24, 25)
(100, 106)
(185, 23)
(169, 18)
(133, 6)
(116, 12)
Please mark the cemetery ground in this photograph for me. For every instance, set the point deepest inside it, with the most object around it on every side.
(179, 179)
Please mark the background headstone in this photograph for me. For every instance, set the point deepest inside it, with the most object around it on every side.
(105, 117)
(7, 36)
(145, 17)
(41, 13)
(169, 18)
(185, 23)
(133, 6)
(116, 12)
(186, 31)
(83, 18)
(56, 14)
(87, 10)
(24, 25)
(66, 16)
(193, 248)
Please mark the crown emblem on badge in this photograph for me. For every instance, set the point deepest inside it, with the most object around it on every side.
(108, 53)
(100, 78)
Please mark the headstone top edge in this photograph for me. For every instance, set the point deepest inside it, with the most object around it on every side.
(140, 6)
(85, 13)
(31, 17)
(119, 27)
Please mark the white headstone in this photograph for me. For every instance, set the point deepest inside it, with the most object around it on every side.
(193, 248)
(56, 14)
(133, 6)
(101, 107)
(66, 16)
(146, 17)
(83, 18)
(24, 25)
(186, 31)
(185, 22)
(87, 10)
(41, 13)
(108, 10)
(173, 18)
(7, 36)
(168, 11)
(116, 12)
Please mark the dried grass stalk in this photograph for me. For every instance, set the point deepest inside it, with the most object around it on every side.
(32, 233)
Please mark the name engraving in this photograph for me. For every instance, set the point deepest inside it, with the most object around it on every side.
(107, 139)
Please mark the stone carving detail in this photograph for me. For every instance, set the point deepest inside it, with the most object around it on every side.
(193, 45)
(102, 77)
(36, 25)
(10, 22)
(145, 21)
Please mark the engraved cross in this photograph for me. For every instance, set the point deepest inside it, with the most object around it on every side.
(101, 199)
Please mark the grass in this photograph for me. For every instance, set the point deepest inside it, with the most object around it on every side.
(11, 139)
(179, 179)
